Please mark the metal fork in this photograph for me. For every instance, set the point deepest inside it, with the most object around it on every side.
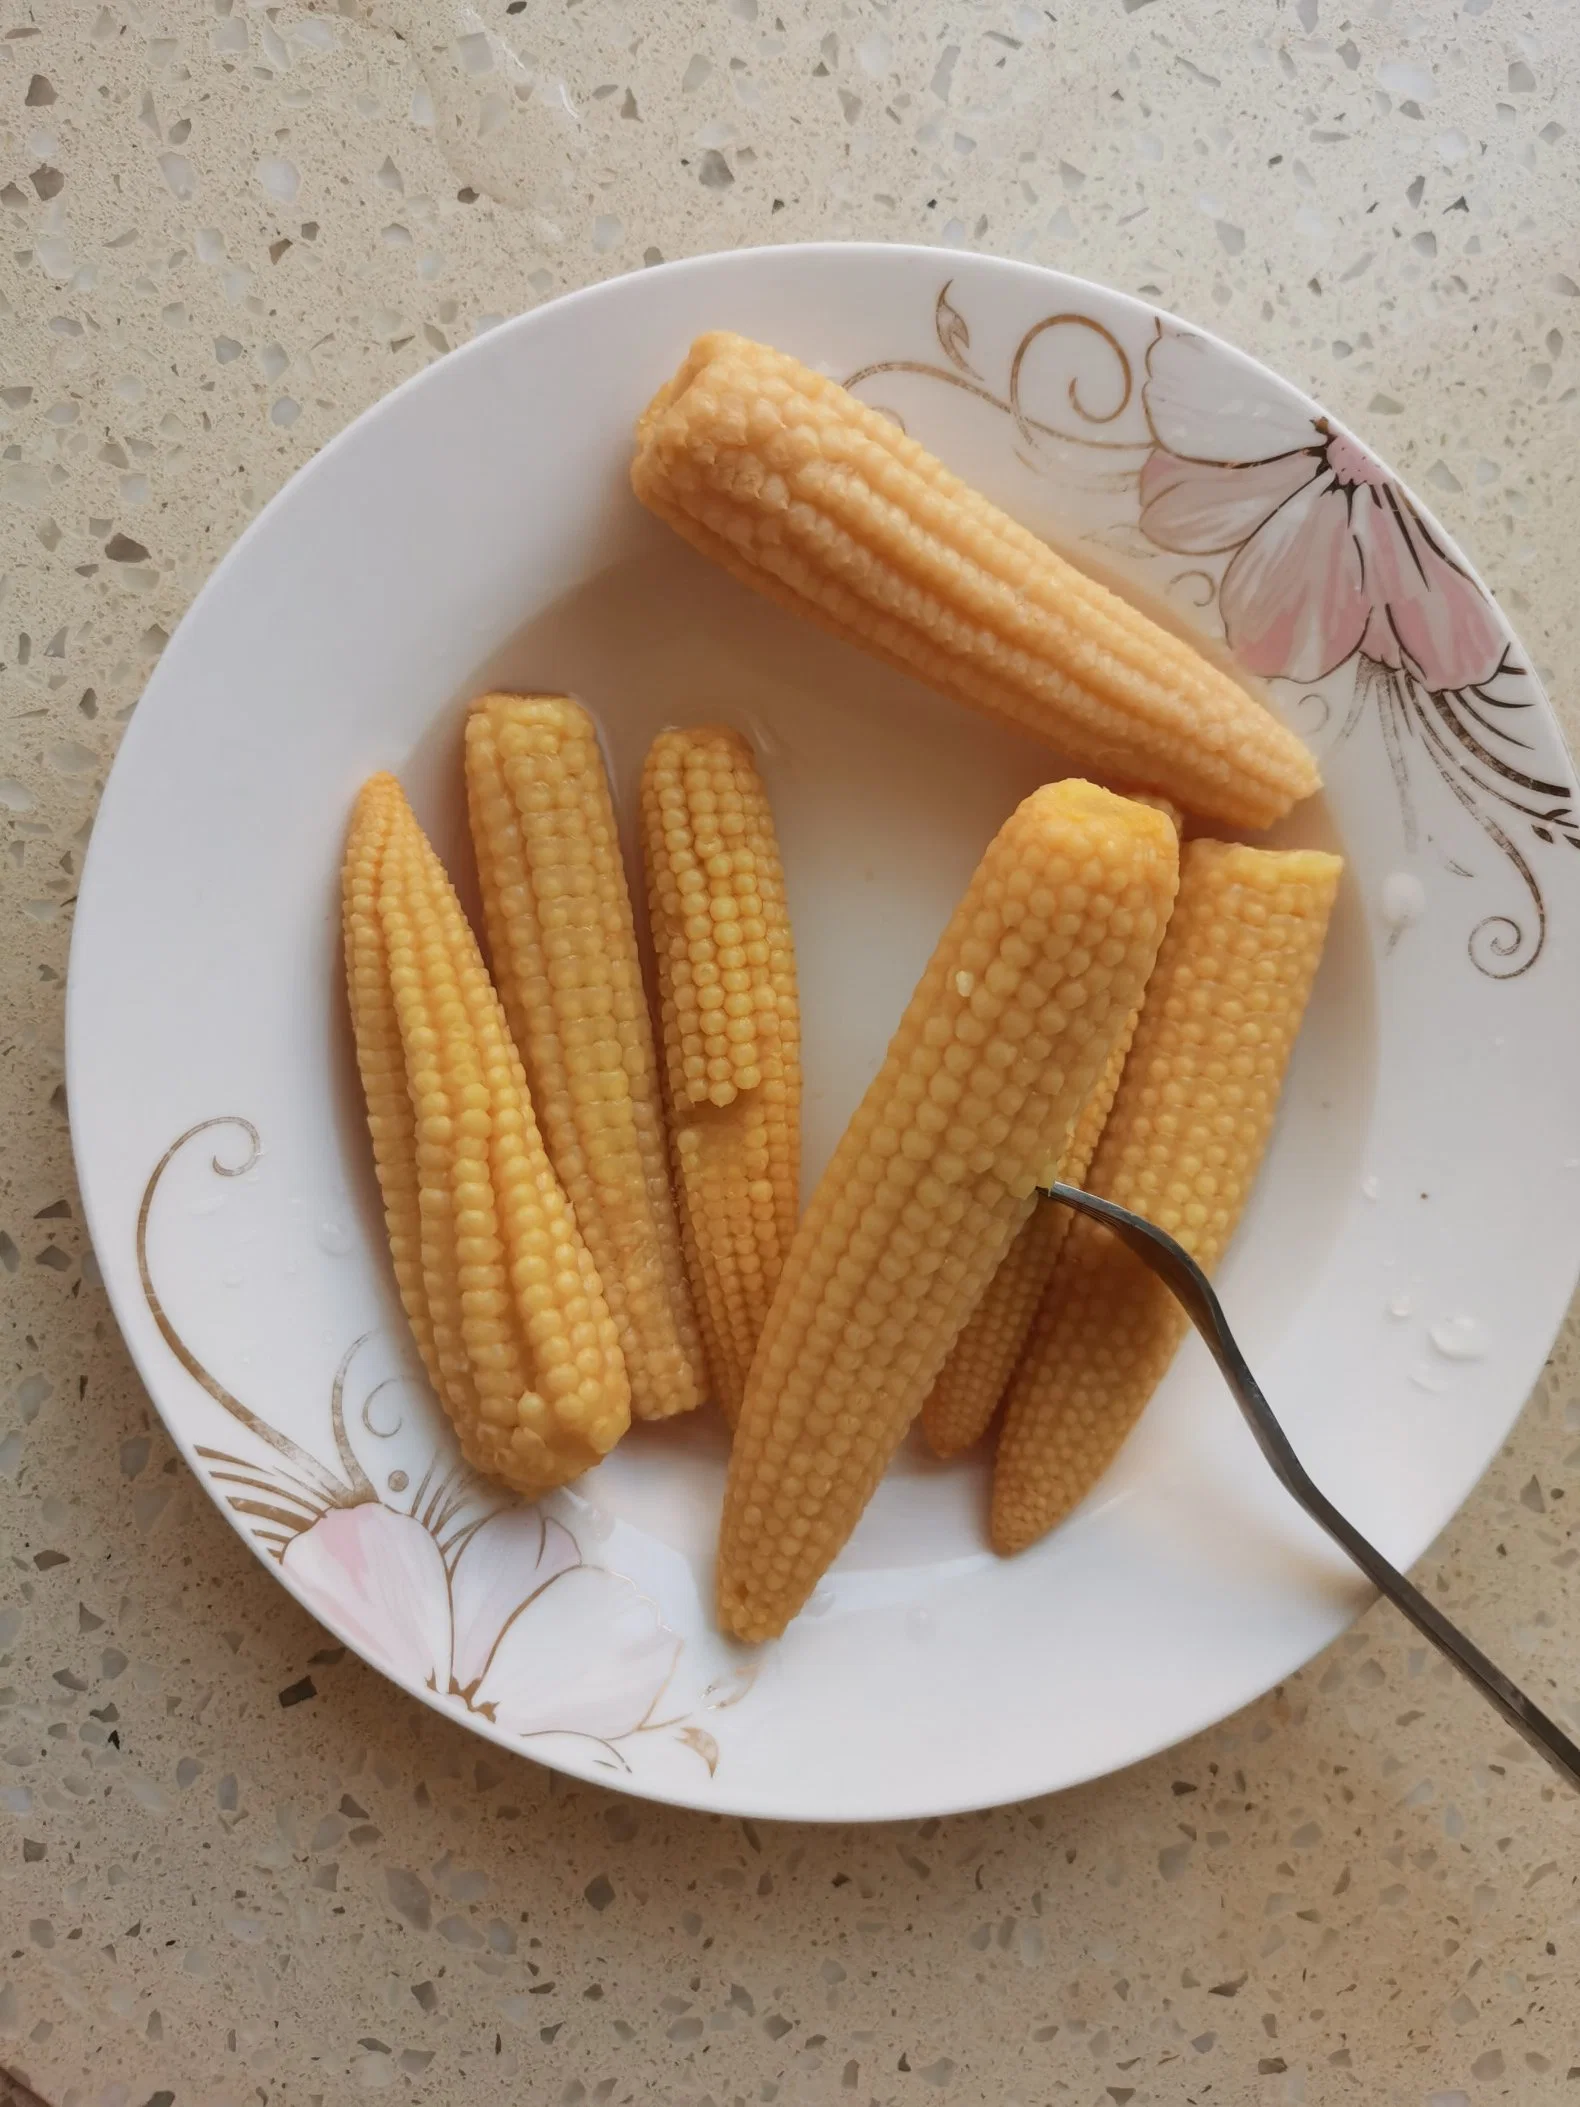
(1190, 1287)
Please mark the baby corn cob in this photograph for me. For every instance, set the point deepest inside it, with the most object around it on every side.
(381, 1058)
(820, 502)
(731, 1032)
(565, 961)
(503, 1299)
(1182, 1146)
(970, 1386)
(961, 1404)
(999, 1047)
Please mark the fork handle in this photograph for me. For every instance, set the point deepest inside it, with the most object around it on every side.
(1190, 1286)
(1522, 1713)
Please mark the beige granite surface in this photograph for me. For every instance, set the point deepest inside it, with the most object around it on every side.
(228, 228)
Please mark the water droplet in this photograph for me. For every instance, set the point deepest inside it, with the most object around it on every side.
(594, 1525)
(1460, 1339)
(1403, 899)
(1428, 1379)
(820, 1604)
(334, 1238)
(1371, 1186)
(1401, 1306)
(232, 1276)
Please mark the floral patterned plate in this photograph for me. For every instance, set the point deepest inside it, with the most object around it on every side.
(1410, 1247)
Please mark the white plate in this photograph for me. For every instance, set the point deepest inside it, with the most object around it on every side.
(476, 528)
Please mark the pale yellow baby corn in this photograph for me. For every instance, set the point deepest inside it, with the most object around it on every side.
(563, 945)
(970, 1388)
(730, 1031)
(999, 1048)
(1182, 1147)
(822, 503)
(961, 1404)
(503, 1298)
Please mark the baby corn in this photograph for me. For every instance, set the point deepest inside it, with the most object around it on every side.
(730, 1031)
(970, 1386)
(999, 1048)
(563, 945)
(503, 1298)
(823, 504)
(1182, 1146)
(381, 1059)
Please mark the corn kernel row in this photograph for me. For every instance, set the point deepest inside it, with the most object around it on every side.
(970, 1386)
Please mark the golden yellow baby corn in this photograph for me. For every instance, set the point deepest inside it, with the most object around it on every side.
(381, 1058)
(730, 1031)
(999, 1048)
(1182, 1147)
(970, 1388)
(961, 1404)
(503, 1298)
(563, 946)
(822, 503)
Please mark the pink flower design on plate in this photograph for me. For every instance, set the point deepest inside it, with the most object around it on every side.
(1330, 558)
(380, 1576)
(514, 1625)
(587, 1655)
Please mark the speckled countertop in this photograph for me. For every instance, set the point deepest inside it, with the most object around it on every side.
(237, 1866)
